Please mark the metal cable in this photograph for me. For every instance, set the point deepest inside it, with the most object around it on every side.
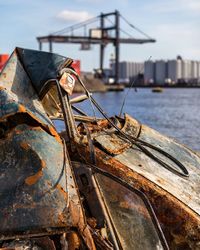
(134, 27)
(124, 100)
(75, 26)
(140, 144)
(122, 30)
(135, 141)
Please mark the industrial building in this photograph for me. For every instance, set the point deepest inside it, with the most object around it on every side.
(128, 70)
(160, 71)
(171, 72)
(174, 70)
(149, 72)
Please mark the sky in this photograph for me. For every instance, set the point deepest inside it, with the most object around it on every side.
(173, 23)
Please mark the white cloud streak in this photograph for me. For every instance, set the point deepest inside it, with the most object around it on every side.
(75, 16)
(174, 6)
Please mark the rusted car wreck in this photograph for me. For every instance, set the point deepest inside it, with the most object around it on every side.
(102, 183)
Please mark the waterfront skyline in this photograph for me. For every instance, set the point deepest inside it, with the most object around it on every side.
(174, 24)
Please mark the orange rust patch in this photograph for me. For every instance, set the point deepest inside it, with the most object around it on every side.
(62, 191)
(21, 108)
(73, 241)
(55, 134)
(62, 218)
(43, 163)
(24, 145)
(34, 178)
(1, 88)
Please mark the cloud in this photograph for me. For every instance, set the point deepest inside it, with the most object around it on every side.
(193, 5)
(76, 16)
(174, 6)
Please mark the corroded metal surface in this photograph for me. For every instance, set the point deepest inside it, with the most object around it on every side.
(176, 199)
(33, 190)
(76, 211)
(41, 66)
(17, 94)
(37, 189)
(33, 186)
(185, 189)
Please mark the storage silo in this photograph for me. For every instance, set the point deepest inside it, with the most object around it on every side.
(123, 70)
(186, 70)
(137, 69)
(149, 72)
(194, 73)
(160, 72)
(198, 69)
(134, 69)
(130, 69)
(141, 68)
(174, 70)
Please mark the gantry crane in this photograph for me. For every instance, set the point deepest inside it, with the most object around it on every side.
(99, 36)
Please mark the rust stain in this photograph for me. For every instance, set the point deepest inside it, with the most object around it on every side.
(55, 134)
(78, 221)
(21, 108)
(24, 145)
(62, 218)
(35, 128)
(62, 191)
(34, 178)
(73, 241)
(2, 88)
(179, 223)
(43, 163)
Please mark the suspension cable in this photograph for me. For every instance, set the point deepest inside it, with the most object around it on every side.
(76, 26)
(122, 30)
(134, 27)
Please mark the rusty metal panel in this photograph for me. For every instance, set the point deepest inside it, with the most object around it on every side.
(41, 66)
(37, 189)
(33, 189)
(112, 142)
(184, 189)
(23, 78)
(176, 199)
(17, 93)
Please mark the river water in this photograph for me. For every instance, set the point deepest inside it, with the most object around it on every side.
(174, 112)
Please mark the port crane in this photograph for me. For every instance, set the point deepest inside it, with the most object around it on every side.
(103, 35)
